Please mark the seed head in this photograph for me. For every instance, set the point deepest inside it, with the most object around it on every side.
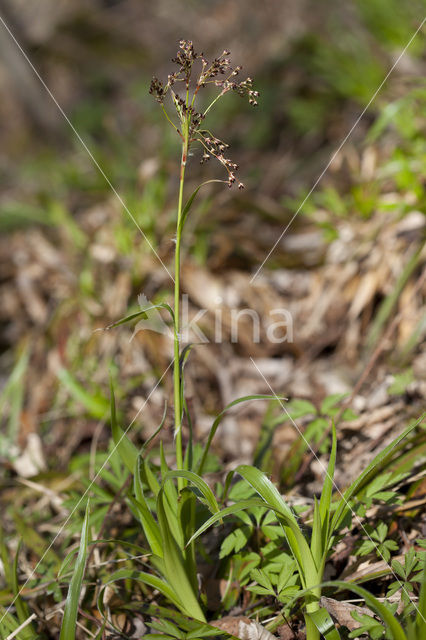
(219, 73)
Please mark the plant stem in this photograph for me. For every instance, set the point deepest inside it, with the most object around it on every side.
(176, 370)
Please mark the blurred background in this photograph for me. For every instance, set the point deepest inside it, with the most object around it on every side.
(350, 269)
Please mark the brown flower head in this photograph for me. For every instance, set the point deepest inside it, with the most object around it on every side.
(219, 73)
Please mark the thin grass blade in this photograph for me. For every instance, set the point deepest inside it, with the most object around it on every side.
(387, 617)
(21, 606)
(146, 578)
(295, 538)
(324, 623)
(69, 621)
(220, 417)
(327, 491)
(149, 525)
(143, 314)
(189, 203)
(198, 482)
(366, 476)
(126, 449)
(174, 565)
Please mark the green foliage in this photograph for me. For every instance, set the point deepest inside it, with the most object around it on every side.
(314, 434)
(401, 382)
(270, 551)
(377, 541)
(68, 627)
(308, 557)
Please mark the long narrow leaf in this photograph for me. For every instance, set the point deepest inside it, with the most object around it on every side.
(219, 419)
(186, 518)
(149, 525)
(197, 481)
(21, 606)
(68, 627)
(289, 524)
(324, 623)
(174, 566)
(143, 313)
(189, 202)
(242, 505)
(296, 540)
(383, 612)
(147, 578)
(126, 449)
(169, 487)
(327, 490)
(366, 476)
(316, 541)
(152, 481)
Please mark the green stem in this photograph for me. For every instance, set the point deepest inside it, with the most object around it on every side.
(312, 632)
(176, 369)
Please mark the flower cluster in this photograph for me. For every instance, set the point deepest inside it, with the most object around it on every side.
(220, 74)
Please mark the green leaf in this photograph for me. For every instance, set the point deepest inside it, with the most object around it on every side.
(366, 476)
(401, 382)
(197, 481)
(316, 539)
(149, 525)
(174, 565)
(286, 576)
(296, 540)
(327, 491)
(373, 603)
(143, 313)
(227, 511)
(146, 578)
(126, 449)
(262, 579)
(21, 606)
(324, 623)
(9, 623)
(152, 481)
(235, 541)
(96, 405)
(420, 623)
(219, 418)
(368, 625)
(69, 621)
(330, 403)
(298, 408)
(188, 205)
(171, 495)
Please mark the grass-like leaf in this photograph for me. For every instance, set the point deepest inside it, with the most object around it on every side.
(324, 623)
(68, 627)
(126, 449)
(366, 476)
(219, 419)
(21, 606)
(393, 626)
(295, 538)
(143, 313)
(149, 525)
(96, 405)
(189, 203)
(242, 505)
(174, 565)
(146, 578)
(198, 482)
